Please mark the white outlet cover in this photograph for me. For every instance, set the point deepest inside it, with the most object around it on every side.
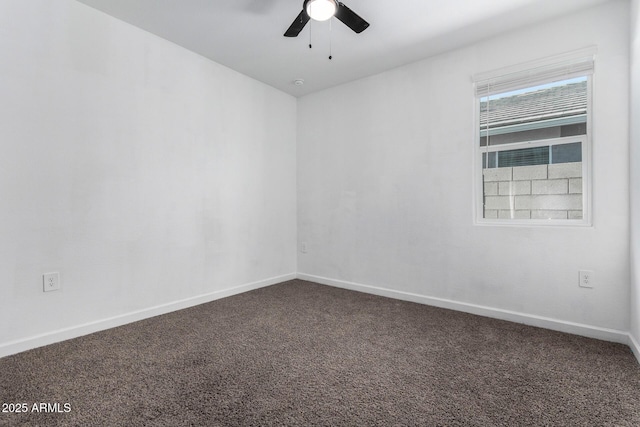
(587, 279)
(51, 282)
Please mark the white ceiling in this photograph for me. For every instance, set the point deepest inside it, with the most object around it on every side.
(247, 35)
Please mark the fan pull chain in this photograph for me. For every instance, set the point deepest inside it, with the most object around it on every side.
(330, 26)
(310, 25)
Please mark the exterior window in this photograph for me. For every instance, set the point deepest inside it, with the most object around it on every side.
(533, 148)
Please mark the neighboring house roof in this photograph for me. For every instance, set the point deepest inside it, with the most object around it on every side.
(557, 102)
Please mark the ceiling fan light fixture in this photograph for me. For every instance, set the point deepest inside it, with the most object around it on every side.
(321, 10)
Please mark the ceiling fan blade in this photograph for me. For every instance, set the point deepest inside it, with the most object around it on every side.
(351, 19)
(297, 25)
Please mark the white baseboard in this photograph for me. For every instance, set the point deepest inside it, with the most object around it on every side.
(613, 335)
(635, 347)
(21, 345)
(605, 334)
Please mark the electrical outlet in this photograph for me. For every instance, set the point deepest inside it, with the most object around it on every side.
(303, 247)
(51, 281)
(587, 279)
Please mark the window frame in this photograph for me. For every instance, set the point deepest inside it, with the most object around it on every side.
(587, 174)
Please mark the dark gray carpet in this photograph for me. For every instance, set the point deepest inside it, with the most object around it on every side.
(302, 354)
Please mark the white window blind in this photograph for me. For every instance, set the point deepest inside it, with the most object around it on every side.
(557, 68)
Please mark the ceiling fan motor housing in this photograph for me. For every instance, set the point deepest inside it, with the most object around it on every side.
(325, 14)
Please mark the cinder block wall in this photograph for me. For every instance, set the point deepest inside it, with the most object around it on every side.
(534, 192)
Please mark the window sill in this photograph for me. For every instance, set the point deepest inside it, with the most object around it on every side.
(570, 223)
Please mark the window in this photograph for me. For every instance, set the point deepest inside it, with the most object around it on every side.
(532, 144)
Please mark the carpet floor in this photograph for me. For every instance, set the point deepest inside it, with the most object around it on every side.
(303, 354)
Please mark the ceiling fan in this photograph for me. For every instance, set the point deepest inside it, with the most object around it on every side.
(321, 10)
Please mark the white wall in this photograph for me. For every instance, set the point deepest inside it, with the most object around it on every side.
(145, 174)
(385, 188)
(635, 176)
(152, 179)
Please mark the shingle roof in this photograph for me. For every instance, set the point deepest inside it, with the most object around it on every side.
(550, 103)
